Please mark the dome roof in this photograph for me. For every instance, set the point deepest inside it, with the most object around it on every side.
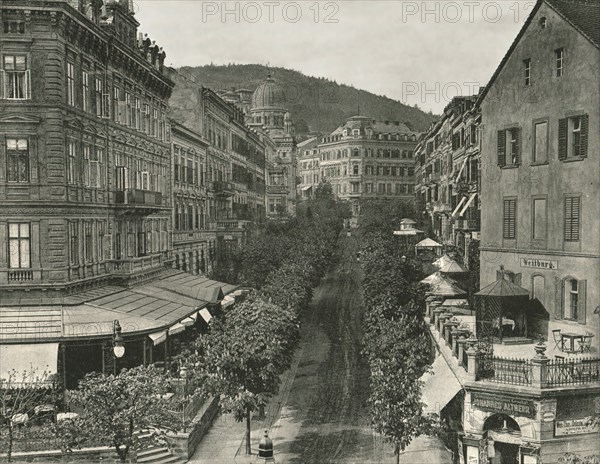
(268, 95)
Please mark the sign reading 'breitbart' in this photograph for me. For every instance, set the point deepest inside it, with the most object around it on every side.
(539, 263)
(504, 405)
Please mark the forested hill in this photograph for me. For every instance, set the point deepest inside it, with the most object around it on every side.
(316, 104)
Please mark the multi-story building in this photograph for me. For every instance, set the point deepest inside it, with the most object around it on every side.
(194, 240)
(308, 167)
(506, 399)
(85, 191)
(448, 160)
(235, 171)
(365, 158)
(269, 116)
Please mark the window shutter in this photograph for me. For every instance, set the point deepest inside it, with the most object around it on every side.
(518, 147)
(28, 84)
(558, 298)
(581, 288)
(584, 135)
(562, 139)
(502, 148)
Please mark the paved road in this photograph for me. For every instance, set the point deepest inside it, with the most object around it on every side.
(323, 416)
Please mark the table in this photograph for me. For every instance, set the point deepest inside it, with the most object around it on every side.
(571, 337)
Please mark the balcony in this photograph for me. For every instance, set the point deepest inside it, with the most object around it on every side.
(278, 189)
(485, 361)
(231, 224)
(221, 188)
(138, 199)
(138, 264)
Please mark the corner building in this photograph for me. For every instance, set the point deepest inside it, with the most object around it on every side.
(365, 158)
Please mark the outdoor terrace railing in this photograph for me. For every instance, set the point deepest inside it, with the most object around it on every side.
(573, 372)
(505, 370)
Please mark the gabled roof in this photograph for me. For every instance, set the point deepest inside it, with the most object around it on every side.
(583, 15)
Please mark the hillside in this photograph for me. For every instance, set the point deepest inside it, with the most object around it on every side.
(320, 103)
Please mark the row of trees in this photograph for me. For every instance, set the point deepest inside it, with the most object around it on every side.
(396, 343)
(242, 357)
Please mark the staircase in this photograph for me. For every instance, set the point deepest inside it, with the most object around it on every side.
(158, 456)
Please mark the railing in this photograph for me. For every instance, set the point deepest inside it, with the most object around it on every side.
(573, 372)
(20, 275)
(277, 189)
(505, 370)
(221, 187)
(138, 197)
(139, 264)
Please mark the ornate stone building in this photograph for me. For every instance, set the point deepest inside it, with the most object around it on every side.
(308, 167)
(365, 158)
(268, 114)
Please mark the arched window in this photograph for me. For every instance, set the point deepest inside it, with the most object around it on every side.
(355, 152)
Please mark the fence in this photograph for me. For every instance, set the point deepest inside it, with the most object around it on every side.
(572, 372)
(505, 370)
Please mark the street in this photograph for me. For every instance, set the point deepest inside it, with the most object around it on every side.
(324, 417)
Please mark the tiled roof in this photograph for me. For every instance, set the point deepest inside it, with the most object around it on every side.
(584, 15)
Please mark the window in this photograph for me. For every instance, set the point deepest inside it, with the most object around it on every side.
(136, 115)
(89, 242)
(99, 98)
(86, 165)
(74, 242)
(116, 106)
(16, 77)
(539, 214)
(560, 56)
(573, 137)
(71, 156)
(154, 126)
(573, 302)
(17, 160)
(95, 166)
(19, 246)
(145, 123)
(509, 222)
(509, 145)
(85, 84)
(527, 66)
(540, 142)
(70, 84)
(128, 110)
(572, 214)
(543, 23)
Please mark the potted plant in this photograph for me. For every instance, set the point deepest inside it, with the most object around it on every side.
(540, 346)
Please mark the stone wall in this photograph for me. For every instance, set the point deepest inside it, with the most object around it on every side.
(102, 455)
(185, 444)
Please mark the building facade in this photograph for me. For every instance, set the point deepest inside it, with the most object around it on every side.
(86, 191)
(269, 116)
(308, 168)
(365, 158)
(448, 173)
(507, 399)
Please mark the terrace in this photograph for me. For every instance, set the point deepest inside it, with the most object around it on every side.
(475, 358)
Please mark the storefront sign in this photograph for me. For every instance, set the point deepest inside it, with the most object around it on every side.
(539, 263)
(510, 406)
(576, 426)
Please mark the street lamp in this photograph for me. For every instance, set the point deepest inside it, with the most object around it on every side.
(183, 374)
(118, 347)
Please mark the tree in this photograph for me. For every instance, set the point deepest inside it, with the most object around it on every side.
(20, 394)
(242, 357)
(115, 406)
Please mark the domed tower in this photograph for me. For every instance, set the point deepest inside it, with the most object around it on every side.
(268, 106)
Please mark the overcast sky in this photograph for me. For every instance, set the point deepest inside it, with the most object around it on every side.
(417, 52)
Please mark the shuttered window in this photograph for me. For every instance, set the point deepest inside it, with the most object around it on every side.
(509, 147)
(510, 219)
(573, 137)
(572, 214)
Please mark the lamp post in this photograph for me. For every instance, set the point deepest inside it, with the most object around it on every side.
(183, 373)
(117, 342)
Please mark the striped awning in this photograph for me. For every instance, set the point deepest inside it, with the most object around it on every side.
(158, 337)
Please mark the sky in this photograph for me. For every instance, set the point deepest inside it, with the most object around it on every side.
(417, 52)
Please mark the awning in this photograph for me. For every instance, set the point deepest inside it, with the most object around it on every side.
(471, 198)
(190, 320)
(227, 301)
(34, 359)
(206, 315)
(462, 200)
(176, 328)
(440, 386)
(158, 337)
(305, 188)
(461, 168)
